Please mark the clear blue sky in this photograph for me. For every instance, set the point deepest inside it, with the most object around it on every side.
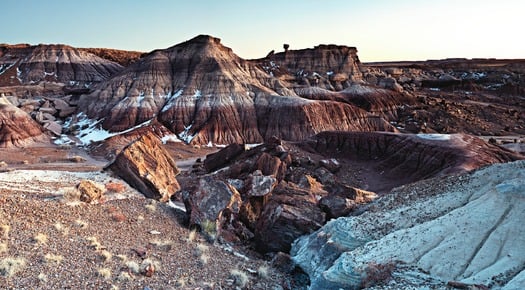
(381, 29)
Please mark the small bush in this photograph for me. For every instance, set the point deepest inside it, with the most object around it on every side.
(123, 258)
(192, 235)
(104, 273)
(4, 247)
(106, 255)
(116, 187)
(81, 224)
(133, 267)
(61, 228)
(148, 267)
(42, 277)
(94, 243)
(124, 276)
(165, 246)
(204, 258)
(151, 207)
(239, 278)
(4, 230)
(201, 249)
(209, 228)
(10, 266)
(263, 272)
(53, 259)
(40, 238)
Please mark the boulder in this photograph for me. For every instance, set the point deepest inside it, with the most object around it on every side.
(53, 127)
(90, 191)
(290, 213)
(342, 200)
(259, 184)
(147, 166)
(210, 199)
(221, 158)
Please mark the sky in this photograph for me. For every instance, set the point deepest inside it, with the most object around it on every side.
(382, 30)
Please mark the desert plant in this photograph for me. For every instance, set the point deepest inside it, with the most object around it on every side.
(201, 249)
(94, 243)
(204, 258)
(263, 271)
(10, 266)
(104, 273)
(151, 207)
(239, 277)
(61, 228)
(192, 235)
(4, 230)
(106, 255)
(209, 228)
(42, 277)
(124, 276)
(162, 245)
(376, 274)
(123, 258)
(53, 259)
(149, 266)
(133, 267)
(4, 247)
(40, 238)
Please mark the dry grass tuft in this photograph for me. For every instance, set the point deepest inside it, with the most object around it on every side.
(10, 266)
(165, 246)
(106, 255)
(61, 228)
(104, 273)
(151, 207)
(40, 238)
(4, 247)
(123, 258)
(263, 272)
(203, 259)
(192, 236)
(239, 277)
(53, 259)
(94, 243)
(124, 276)
(133, 267)
(149, 266)
(4, 230)
(42, 277)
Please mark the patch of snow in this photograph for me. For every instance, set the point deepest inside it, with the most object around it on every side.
(197, 94)
(435, 89)
(170, 101)
(185, 136)
(439, 137)
(329, 73)
(170, 138)
(5, 67)
(178, 206)
(19, 74)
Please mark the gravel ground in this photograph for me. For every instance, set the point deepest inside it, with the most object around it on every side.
(49, 241)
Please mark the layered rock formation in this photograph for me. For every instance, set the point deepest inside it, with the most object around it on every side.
(17, 129)
(31, 65)
(460, 231)
(148, 167)
(204, 93)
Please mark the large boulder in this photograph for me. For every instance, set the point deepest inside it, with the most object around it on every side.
(221, 158)
(210, 200)
(460, 230)
(290, 213)
(146, 165)
(90, 191)
(17, 129)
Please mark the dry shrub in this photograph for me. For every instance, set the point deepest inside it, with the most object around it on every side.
(376, 274)
(240, 278)
(116, 187)
(4, 230)
(4, 247)
(104, 273)
(53, 259)
(40, 238)
(10, 266)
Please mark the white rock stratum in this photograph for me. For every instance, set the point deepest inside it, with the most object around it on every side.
(466, 228)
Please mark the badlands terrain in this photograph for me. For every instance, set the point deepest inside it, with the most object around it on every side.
(192, 168)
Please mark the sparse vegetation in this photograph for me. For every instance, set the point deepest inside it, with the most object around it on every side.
(4, 230)
(263, 272)
(93, 242)
(10, 266)
(133, 267)
(40, 238)
(53, 259)
(239, 277)
(4, 247)
(106, 255)
(149, 266)
(123, 258)
(124, 276)
(165, 246)
(61, 228)
(42, 277)
(209, 228)
(192, 236)
(151, 207)
(204, 258)
(104, 273)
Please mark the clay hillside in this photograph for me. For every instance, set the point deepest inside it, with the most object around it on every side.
(190, 167)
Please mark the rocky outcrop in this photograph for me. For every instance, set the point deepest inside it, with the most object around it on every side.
(193, 87)
(462, 230)
(122, 57)
(405, 158)
(17, 129)
(28, 65)
(148, 167)
(90, 191)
